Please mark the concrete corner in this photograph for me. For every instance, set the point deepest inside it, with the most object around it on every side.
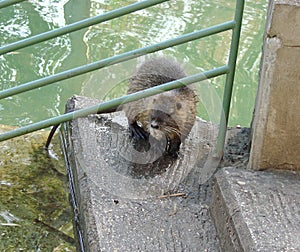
(285, 21)
(276, 122)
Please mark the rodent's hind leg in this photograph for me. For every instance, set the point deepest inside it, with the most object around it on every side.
(137, 132)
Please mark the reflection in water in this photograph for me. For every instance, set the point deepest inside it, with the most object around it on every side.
(33, 62)
(8, 217)
(34, 211)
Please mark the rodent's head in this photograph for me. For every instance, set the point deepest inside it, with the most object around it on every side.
(163, 117)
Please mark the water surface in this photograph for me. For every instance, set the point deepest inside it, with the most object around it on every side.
(134, 31)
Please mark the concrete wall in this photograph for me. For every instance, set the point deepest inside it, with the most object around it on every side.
(276, 121)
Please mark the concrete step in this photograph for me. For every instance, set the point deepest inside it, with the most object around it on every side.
(257, 211)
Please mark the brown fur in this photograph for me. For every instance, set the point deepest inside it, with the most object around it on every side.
(170, 114)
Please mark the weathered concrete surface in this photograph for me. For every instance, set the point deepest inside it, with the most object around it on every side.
(256, 211)
(276, 122)
(116, 195)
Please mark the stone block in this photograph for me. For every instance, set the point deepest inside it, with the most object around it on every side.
(276, 122)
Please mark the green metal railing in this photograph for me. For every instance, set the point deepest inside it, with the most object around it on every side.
(229, 69)
(5, 3)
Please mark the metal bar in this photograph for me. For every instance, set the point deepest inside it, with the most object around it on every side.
(116, 59)
(79, 25)
(115, 102)
(230, 76)
(5, 3)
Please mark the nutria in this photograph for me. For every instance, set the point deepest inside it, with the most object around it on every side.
(170, 115)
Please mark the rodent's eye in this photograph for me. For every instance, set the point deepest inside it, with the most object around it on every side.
(178, 105)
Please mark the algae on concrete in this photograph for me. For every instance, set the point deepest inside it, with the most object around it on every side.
(34, 209)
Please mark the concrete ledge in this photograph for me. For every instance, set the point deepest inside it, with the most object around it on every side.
(116, 209)
(256, 211)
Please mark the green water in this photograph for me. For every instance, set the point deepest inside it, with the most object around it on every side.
(142, 28)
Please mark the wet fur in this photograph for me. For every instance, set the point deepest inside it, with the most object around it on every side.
(171, 114)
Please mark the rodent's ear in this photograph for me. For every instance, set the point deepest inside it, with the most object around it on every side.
(178, 105)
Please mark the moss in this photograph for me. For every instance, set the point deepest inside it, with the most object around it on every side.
(34, 207)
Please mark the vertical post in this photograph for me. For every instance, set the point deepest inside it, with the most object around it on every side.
(276, 120)
(230, 76)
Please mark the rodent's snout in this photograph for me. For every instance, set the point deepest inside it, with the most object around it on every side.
(154, 124)
(157, 118)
